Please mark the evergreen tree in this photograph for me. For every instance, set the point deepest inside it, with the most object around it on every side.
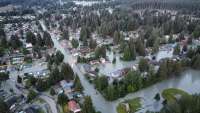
(31, 95)
(116, 37)
(177, 50)
(19, 79)
(88, 106)
(196, 32)
(59, 57)
(62, 99)
(75, 43)
(42, 85)
(196, 62)
(100, 52)
(3, 107)
(92, 44)
(84, 34)
(15, 43)
(140, 47)
(40, 41)
(143, 65)
(3, 42)
(52, 92)
(157, 97)
(78, 86)
(129, 53)
(47, 39)
(30, 38)
(4, 76)
(162, 71)
(67, 72)
(156, 46)
(101, 83)
(65, 34)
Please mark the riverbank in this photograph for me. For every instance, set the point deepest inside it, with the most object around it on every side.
(188, 81)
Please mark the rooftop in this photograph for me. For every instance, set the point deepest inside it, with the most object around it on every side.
(73, 106)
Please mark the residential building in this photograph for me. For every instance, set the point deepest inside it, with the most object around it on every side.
(74, 107)
(66, 86)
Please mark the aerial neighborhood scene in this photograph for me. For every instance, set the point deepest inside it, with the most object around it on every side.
(99, 56)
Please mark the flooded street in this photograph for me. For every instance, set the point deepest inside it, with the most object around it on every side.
(189, 81)
(108, 68)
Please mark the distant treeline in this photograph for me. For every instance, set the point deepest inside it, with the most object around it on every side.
(4, 3)
(193, 6)
(27, 3)
(17, 13)
(188, 5)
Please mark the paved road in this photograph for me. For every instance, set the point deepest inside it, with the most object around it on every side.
(11, 83)
(51, 103)
(61, 2)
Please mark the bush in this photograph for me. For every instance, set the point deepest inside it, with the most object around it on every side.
(31, 95)
(52, 92)
(157, 97)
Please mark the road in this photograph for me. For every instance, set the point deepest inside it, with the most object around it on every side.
(61, 2)
(50, 102)
(11, 84)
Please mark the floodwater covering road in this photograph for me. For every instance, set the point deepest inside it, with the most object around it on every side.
(188, 81)
(50, 102)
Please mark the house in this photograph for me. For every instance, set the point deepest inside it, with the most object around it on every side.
(135, 68)
(84, 50)
(57, 89)
(3, 69)
(86, 68)
(66, 86)
(70, 95)
(102, 60)
(42, 73)
(74, 107)
(119, 73)
(29, 46)
(17, 59)
(94, 62)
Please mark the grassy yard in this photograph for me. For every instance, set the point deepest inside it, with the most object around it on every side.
(121, 108)
(171, 93)
(39, 100)
(64, 109)
(134, 105)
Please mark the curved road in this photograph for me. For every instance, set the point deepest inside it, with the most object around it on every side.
(51, 103)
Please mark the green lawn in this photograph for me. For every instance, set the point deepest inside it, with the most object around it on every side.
(121, 108)
(39, 100)
(134, 105)
(171, 93)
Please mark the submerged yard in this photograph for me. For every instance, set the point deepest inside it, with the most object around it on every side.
(129, 106)
(172, 94)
